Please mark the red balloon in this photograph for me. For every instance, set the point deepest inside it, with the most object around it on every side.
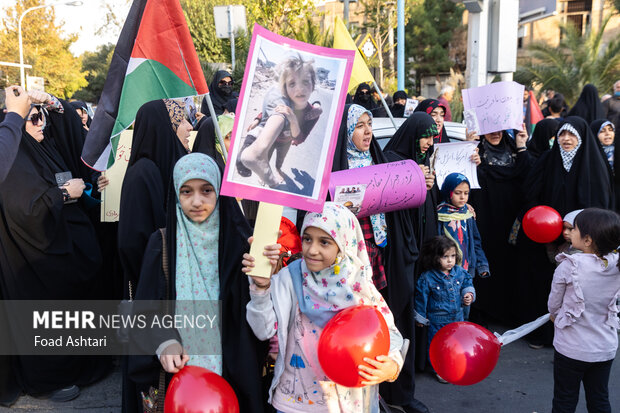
(352, 334)
(542, 224)
(198, 390)
(464, 353)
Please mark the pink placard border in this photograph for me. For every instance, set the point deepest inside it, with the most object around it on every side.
(230, 188)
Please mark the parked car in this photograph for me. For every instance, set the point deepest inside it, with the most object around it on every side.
(383, 129)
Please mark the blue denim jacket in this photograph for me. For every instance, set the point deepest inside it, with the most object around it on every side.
(478, 262)
(439, 297)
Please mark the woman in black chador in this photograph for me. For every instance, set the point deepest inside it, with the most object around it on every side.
(396, 255)
(572, 175)
(159, 140)
(48, 250)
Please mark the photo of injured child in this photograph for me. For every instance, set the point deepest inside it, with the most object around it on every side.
(286, 119)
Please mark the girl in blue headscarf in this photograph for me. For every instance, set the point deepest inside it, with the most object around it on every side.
(455, 221)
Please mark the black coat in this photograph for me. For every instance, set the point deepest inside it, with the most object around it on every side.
(399, 257)
(48, 251)
(405, 144)
(498, 203)
(154, 151)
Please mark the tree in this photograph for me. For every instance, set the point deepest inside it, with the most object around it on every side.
(434, 27)
(44, 49)
(379, 21)
(285, 17)
(312, 33)
(576, 62)
(95, 65)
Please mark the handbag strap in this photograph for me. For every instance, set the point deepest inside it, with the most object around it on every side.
(161, 393)
(164, 261)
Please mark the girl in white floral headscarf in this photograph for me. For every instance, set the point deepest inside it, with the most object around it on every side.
(334, 274)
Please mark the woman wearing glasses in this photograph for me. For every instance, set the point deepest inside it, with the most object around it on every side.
(220, 90)
(49, 248)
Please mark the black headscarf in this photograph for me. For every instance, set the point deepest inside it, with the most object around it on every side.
(79, 104)
(585, 185)
(406, 141)
(405, 144)
(399, 260)
(154, 138)
(615, 171)
(206, 140)
(205, 143)
(155, 150)
(429, 105)
(588, 105)
(398, 110)
(504, 154)
(67, 134)
(48, 251)
(219, 94)
(366, 100)
(243, 354)
(543, 132)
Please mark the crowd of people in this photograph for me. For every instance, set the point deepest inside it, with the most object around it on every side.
(461, 255)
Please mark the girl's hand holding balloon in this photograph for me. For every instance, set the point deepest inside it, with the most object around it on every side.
(384, 369)
(173, 358)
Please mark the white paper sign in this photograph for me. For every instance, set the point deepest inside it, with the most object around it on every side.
(498, 106)
(455, 157)
(410, 107)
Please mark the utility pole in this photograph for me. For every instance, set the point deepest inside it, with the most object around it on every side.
(401, 43)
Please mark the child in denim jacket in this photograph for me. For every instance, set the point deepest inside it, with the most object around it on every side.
(444, 289)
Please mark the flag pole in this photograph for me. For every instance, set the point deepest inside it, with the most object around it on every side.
(385, 105)
(220, 138)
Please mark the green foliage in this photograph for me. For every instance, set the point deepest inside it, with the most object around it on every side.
(286, 17)
(576, 62)
(96, 65)
(430, 33)
(310, 32)
(44, 49)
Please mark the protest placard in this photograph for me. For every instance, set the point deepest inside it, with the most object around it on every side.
(495, 107)
(455, 157)
(385, 187)
(286, 128)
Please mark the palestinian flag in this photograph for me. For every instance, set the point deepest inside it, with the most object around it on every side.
(533, 114)
(154, 59)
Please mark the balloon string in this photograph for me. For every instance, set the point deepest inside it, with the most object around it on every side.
(515, 334)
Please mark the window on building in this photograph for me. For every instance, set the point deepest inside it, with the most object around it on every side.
(578, 6)
(576, 20)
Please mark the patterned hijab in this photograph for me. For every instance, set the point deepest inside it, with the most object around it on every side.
(176, 111)
(322, 294)
(359, 159)
(197, 270)
(568, 156)
(453, 220)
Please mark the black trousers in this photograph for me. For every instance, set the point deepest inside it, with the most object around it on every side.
(567, 377)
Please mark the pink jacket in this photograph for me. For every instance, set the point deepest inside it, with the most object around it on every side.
(583, 300)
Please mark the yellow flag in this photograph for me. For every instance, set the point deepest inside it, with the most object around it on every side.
(343, 40)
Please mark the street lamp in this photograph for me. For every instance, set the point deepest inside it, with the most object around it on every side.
(21, 48)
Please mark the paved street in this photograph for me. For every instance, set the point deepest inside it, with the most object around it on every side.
(522, 382)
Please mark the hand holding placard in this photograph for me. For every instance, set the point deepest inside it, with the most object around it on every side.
(266, 232)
